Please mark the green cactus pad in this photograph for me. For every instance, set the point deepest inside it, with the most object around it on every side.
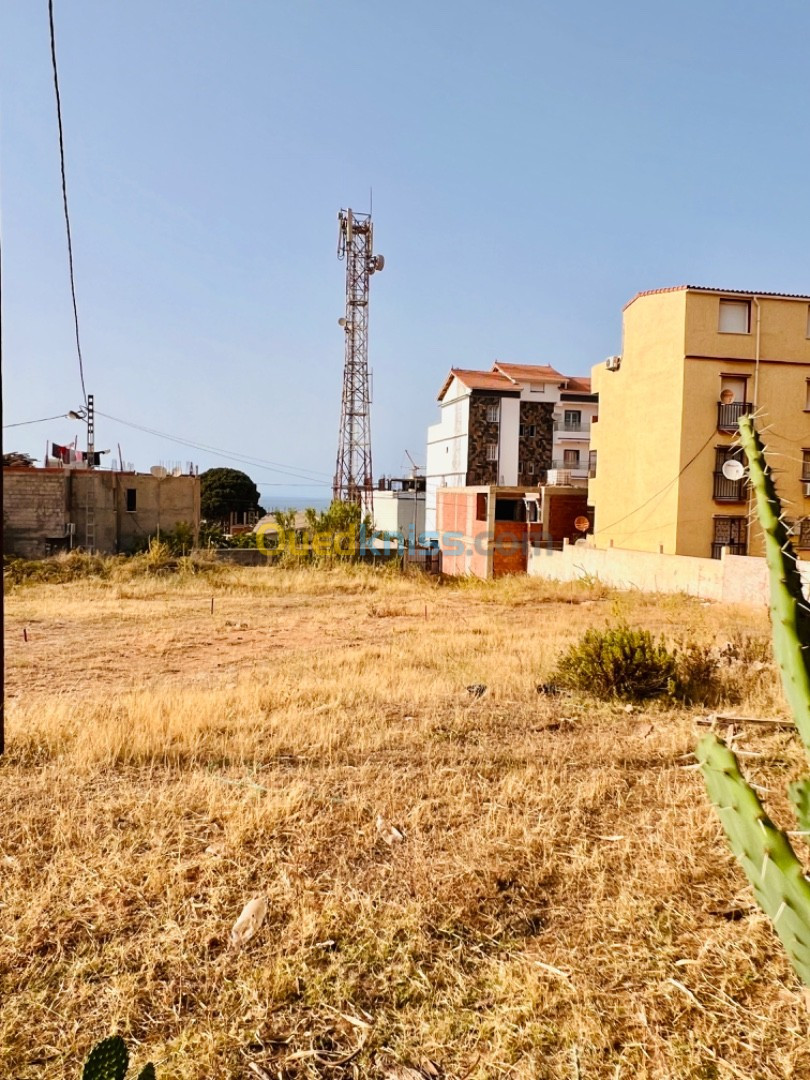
(799, 793)
(790, 613)
(108, 1060)
(769, 861)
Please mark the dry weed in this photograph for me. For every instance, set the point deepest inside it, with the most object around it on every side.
(561, 891)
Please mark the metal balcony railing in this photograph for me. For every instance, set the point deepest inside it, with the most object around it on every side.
(566, 425)
(728, 490)
(728, 415)
(733, 549)
(575, 466)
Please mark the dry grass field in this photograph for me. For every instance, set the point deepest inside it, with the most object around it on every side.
(562, 904)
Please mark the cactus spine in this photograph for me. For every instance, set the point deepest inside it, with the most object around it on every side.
(770, 863)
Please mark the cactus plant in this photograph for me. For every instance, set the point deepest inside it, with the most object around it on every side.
(109, 1060)
(776, 874)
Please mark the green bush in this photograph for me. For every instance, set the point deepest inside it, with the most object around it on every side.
(619, 662)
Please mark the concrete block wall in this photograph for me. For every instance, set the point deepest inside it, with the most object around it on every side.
(621, 568)
(38, 504)
(733, 579)
(34, 509)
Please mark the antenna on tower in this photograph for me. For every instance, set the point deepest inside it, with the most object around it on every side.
(353, 480)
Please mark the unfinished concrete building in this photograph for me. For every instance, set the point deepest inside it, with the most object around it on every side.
(56, 509)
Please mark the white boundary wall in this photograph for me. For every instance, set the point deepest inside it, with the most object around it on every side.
(734, 579)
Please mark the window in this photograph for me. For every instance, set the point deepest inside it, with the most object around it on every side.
(530, 468)
(729, 532)
(733, 402)
(493, 414)
(132, 500)
(527, 430)
(735, 317)
(573, 419)
(570, 458)
(591, 464)
(492, 451)
(804, 532)
(481, 507)
(806, 466)
(807, 396)
(537, 388)
(726, 489)
(733, 388)
(807, 331)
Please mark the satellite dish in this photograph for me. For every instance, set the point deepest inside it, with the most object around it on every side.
(727, 396)
(380, 261)
(733, 469)
(341, 322)
(158, 471)
(581, 524)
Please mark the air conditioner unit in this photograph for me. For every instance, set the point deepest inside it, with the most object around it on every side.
(806, 489)
(613, 363)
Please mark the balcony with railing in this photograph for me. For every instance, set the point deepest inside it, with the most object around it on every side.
(729, 413)
(576, 429)
(726, 490)
(733, 549)
(571, 466)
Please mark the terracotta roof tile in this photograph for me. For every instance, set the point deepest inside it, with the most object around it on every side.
(529, 372)
(507, 376)
(578, 385)
(476, 380)
(718, 292)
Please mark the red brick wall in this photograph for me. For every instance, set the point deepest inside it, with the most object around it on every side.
(561, 511)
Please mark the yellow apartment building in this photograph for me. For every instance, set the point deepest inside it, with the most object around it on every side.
(693, 360)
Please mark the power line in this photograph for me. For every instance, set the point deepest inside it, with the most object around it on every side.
(691, 460)
(262, 463)
(64, 197)
(27, 423)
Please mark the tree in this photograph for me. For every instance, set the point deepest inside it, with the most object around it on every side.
(223, 491)
(336, 533)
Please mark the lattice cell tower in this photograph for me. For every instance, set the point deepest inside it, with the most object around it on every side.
(353, 476)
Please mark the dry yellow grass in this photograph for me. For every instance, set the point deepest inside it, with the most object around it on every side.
(554, 910)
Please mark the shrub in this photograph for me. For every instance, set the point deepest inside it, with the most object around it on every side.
(58, 569)
(698, 680)
(619, 662)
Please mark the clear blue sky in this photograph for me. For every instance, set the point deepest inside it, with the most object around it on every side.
(533, 164)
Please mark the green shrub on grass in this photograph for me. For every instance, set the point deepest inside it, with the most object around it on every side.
(619, 662)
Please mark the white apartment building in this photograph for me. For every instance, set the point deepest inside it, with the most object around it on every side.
(511, 426)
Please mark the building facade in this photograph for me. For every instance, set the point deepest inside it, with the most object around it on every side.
(693, 361)
(512, 426)
(487, 531)
(56, 509)
(399, 507)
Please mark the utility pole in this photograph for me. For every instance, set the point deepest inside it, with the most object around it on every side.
(353, 480)
(91, 432)
(90, 504)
